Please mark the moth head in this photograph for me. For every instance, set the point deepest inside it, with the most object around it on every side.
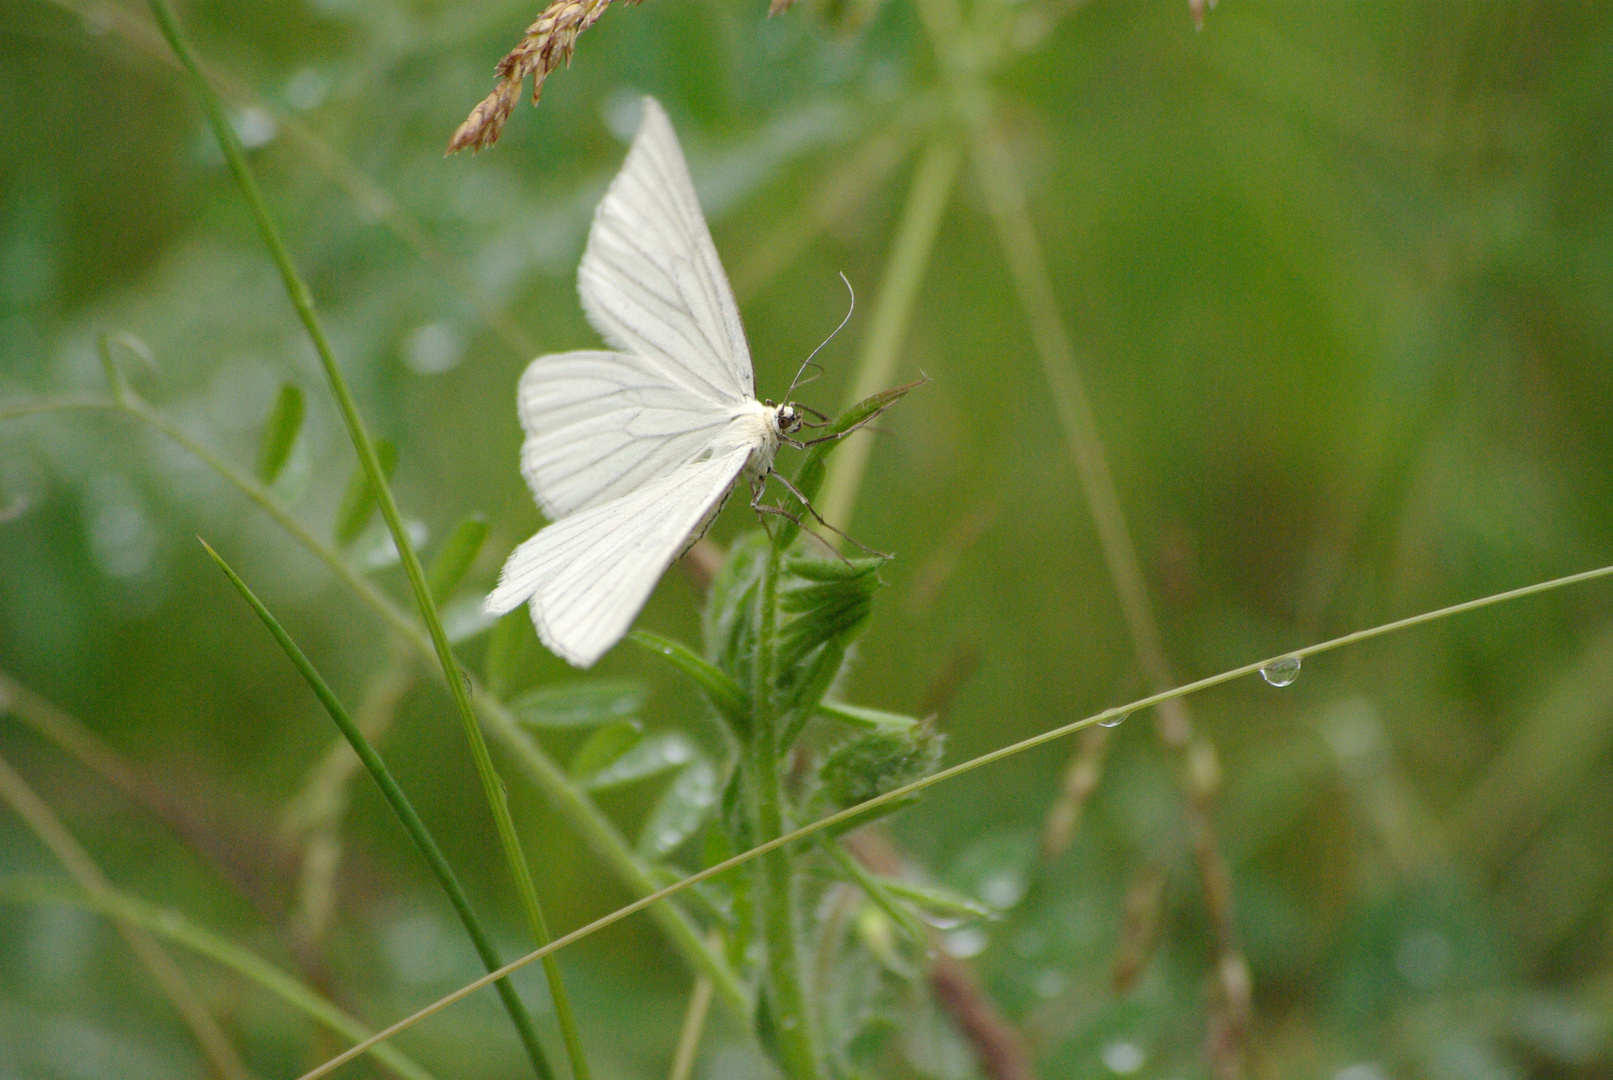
(787, 417)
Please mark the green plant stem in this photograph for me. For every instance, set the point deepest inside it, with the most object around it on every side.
(568, 800)
(787, 1003)
(943, 775)
(169, 924)
(694, 1025)
(302, 301)
(216, 1046)
(405, 811)
(933, 182)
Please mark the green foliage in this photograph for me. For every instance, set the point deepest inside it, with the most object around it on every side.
(280, 432)
(453, 560)
(874, 762)
(580, 703)
(359, 501)
(1334, 282)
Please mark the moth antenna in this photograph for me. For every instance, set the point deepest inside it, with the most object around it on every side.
(808, 361)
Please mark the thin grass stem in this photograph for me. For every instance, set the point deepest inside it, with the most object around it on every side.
(571, 802)
(694, 1026)
(170, 924)
(959, 769)
(216, 1047)
(405, 812)
(302, 300)
(931, 190)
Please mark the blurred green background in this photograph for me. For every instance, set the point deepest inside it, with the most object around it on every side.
(1340, 280)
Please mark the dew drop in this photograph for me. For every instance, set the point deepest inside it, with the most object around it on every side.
(1114, 721)
(1281, 672)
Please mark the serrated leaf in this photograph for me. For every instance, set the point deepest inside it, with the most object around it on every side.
(580, 704)
(454, 558)
(686, 805)
(721, 690)
(604, 746)
(280, 433)
(657, 754)
(358, 502)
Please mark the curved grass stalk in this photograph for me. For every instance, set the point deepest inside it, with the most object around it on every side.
(167, 923)
(571, 802)
(406, 815)
(1001, 753)
(302, 300)
(927, 199)
(215, 1045)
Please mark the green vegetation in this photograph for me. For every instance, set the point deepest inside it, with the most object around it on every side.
(1238, 341)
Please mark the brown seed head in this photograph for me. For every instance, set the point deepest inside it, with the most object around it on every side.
(547, 44)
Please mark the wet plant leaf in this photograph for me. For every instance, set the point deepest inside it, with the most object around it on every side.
(652, 756)
(683, 808)
(723, 692)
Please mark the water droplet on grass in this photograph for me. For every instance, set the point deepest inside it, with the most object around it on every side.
(1114, 721)
(1281, 672)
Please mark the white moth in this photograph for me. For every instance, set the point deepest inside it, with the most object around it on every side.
(631, 453)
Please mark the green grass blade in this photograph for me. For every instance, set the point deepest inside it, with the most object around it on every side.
(399, 802)
(302, 300)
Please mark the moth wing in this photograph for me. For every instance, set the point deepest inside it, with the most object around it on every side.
(650, 279)
(600, 425)
(587, 576)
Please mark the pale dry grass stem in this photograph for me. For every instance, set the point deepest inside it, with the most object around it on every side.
(547, 44)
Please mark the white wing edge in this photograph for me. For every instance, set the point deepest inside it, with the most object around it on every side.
(653, 198)
(587, 577)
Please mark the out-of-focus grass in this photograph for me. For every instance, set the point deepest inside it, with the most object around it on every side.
(1337, 277)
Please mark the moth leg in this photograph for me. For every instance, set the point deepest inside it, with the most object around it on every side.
(804, 501)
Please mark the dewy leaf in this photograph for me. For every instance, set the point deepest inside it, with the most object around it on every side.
(603, 747)
(585, 703)
(723, 692)
(685, 806)
(454, 558)
(280, 433)
(358, 502)
(657, 754)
